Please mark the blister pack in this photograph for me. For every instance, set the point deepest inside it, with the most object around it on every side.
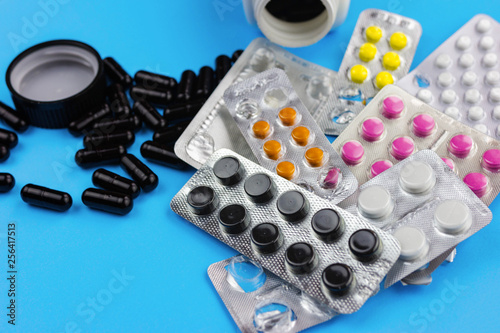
(284, 136)
(461, 77)
(424, 205)
(331, 255)
(259, 301)
(379, 53)
(213, 128)
(396, 124)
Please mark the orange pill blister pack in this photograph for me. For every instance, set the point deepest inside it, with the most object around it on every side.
(284, 136)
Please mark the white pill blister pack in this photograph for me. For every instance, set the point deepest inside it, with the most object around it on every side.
(462, 78)
(379, 53)
(213, 128)
(424, 205)
(259, 301)
(396, 124)
(284, 136)
(331, 255)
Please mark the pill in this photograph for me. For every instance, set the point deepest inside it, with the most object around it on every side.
(259, 188)
(491, 160)
(159, 153)
(159, 98)
(382, 79)
(170, 134)
(272, 149)
(300, 135)
(153, 81)
(109, 125)
(379, 167)
(332, 178)
(412, 241)
(475, 113)
(4, 153)
(452, 217)
(338, 279)
(236, 55)
(314, 156)
(352, 152)
(423, 125)
(186, 89)
(449, 162)
(7, 182)
(116, 73)
(453, 112)
(84, 123)
(206, 82)
(367, 52)
(202, 200)
(228, 171)
(492, 78)
(300, 258)
(448, 96)
(115, 183)
(372, 129)
(417, 177)
(373, 34)
(12, 118)
(8, 139)
(392, 107)
(472, 96)
(490, 60)
(222, 66)
(477, 182)
(463, 43)
(139, 172)
(486, 42)
(483, 25)
(285, 169)
(402, 147)
(287, 116)
(88, 158)
(234, 219)
(466, 60)
(494, 95)
(107, 201)
(460, 145)
(375, 202)
(481, 128)
(443, 61)
(425, 95)
(98, 140)
(391, 61)
(183, 111)
(149, 115)
(292, 206)
(327, 225)
(469, 78)
(398, 41)
(445, 79)
(261, 129)
(46, 198)
(118, 101)
(365, 245)
(266, 238)
(359, 73)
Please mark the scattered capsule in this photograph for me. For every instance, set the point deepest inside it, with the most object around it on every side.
(92, 141)
(187, 86)
(170, 134)
(4, 153)
(46, 198)
(76, 127)
(8, 138)
(7, 182)
(13, 118)
(154, 81)
(206, 82)
(140, 172)
(113, 182)
(157, 97)
(149, 115)
(87, 158)
(236, 55)
(222, 66)
(109, 125)
(118, 101)
(159, 153)
(116, 72)
(183, 111)
(107, 201)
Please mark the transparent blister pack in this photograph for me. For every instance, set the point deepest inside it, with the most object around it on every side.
(213, 128)
(333, 256)
(379, 53)
(396, 124)
(462, 78)
(424, 205)
(284, 136)
(259, 301)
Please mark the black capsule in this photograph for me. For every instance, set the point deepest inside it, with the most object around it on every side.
(162, 154)
(98, 140)
(228, 171)
(159, 98)
(115, 183)
(266, 238)
(170, 134)
(222, 66)
(109, 125)
(234, 219)
(292, 206)
(300, 258)
(7, 182)
(153, 81)
(140, 172)
(365, 245)
(118, 101)
(183, 111)
(13, 118)
(206, 82)
(338, 279)
(259, 188)
(327, 225)
(88, 158)
(202, 200)
(236, 55)
(84, 123)
(187, 86)
(4, 153)
(107, 201)
(46, 198)
(149, 115)
(116, 72)
(8, 138)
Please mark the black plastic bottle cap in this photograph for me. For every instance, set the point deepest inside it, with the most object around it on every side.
(228, 171)
(202, 200)
(266, 238)
(260, 188)
(364, 244)
(300, 258)
(234, 219)
(338, 279)
(293, 206)
(327, 225)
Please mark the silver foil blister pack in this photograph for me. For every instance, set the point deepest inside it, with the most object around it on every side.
(379, 53)
(424, 205)
(396, 124)
(284, 136)
(331, 255)
(462, 78)
(213, 128)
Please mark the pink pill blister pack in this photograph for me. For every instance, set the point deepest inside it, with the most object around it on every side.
(462, 77)
(380, 52)
(396, 124)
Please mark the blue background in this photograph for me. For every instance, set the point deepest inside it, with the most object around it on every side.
(65, 260)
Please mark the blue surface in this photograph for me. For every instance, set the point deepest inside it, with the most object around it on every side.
(67, 260)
